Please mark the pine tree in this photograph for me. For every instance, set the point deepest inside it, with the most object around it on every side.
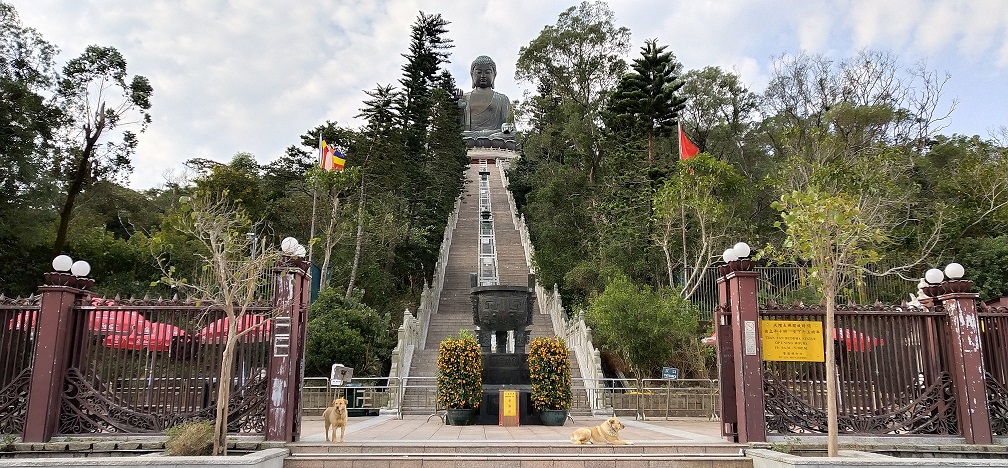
(645, 101)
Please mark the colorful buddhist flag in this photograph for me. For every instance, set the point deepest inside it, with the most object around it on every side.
(332, 159)
(686, 147)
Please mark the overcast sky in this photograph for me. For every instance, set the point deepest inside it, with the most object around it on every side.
(233, 76)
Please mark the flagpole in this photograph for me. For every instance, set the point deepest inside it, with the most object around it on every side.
(682, 206)
(314, 203)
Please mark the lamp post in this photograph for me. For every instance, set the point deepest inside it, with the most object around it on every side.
(739, 360)
(63, 288)
(251, 236)
(959, 303)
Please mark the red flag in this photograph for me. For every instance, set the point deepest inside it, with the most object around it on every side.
(686, 147)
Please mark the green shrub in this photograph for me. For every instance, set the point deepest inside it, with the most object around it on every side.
(194, 437)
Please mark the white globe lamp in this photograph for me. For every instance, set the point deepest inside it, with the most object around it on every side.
(742, 250)
(80, 268)
(62, 263)
(954, 271)
(729, 255)
(934, 276)
(289, 245)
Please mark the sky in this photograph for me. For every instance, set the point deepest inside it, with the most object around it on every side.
(235, 76)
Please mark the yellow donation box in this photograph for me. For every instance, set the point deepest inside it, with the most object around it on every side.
(508, 408)
(792, 340)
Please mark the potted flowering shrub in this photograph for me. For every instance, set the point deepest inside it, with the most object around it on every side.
(460, 377)
(549, 374)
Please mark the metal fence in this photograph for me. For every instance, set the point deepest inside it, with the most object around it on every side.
(994, 343)
(142, 367)
(790, 284)
(18, 329)
(893, 375)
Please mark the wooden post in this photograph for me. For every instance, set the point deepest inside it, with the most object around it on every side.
(967, 361)
(52, 353)
(749, 396)
(726, 361)
(283, 407)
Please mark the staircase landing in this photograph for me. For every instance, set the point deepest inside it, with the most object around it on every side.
(418, 441)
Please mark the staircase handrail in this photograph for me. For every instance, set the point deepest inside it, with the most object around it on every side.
(576, 333)
(402, 355)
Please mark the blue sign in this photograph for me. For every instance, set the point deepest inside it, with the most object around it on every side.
(669, 373)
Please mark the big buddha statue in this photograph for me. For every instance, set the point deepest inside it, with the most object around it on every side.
(485, 111)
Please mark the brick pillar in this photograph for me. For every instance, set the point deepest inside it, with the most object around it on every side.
(749, 404)
(52, 353)
(726, 360)
(283, 407)
(967, 360)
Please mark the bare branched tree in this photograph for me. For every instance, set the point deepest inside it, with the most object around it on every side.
(231, 275)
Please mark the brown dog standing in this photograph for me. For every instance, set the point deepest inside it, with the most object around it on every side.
(336, 416)
(605, 433)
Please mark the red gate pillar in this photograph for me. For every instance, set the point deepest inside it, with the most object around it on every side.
(283, 405)
(749, 401)
(726, 360)
(967, 360)
(52, 351)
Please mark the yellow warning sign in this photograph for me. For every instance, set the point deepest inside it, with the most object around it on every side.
(792, 340)
(509, 403)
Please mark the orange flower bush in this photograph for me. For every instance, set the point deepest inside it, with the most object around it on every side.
(549, 373)
(460, 372)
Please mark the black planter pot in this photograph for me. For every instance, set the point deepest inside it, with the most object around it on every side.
(460, 416)
(553, 417)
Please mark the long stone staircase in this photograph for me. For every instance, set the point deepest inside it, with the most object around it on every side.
(418, 447)
(455, 309)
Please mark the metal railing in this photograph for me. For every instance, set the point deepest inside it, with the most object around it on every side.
(787, 285)
(649, 398)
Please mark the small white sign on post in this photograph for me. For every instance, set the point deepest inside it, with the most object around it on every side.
(340, 375)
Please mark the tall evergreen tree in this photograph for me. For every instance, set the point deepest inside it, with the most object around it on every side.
(646, 101)
(427, 51)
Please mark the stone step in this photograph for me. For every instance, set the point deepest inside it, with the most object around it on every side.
(527, 447)
(503, 453)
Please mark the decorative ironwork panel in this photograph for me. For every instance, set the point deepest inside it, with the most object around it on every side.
(997, 405)
(930, 412)
(86, 409)
(13, 403)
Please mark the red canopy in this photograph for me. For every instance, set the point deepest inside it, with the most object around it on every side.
(855, 340)
(216, 332)
(23, 321)
(154, 336)
(116, 322)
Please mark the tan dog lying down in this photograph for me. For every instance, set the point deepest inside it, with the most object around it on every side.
(605, 433)
(336, 416)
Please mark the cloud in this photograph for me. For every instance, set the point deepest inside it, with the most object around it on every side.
(237, 76)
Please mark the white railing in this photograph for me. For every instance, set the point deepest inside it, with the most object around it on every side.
(413, 331)
(574, 330)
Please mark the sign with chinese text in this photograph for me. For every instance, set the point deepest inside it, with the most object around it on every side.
(792, 340)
